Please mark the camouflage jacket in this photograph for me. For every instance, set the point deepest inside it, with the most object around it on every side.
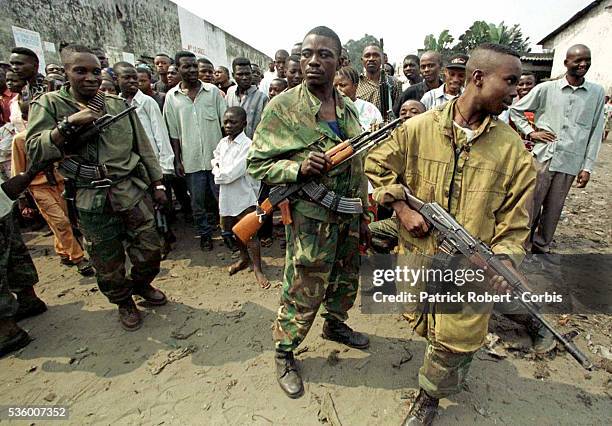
(288, 131)
(488, 187)
(123, 148)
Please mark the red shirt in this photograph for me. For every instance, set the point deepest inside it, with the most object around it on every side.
(5, 100)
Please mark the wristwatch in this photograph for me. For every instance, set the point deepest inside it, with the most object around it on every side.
(160, 187)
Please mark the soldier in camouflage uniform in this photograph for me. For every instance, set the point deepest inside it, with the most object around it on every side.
(17, 275)
(113, 172)
(474, 165)
(322, 257)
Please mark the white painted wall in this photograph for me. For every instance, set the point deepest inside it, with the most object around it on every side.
(595, 31)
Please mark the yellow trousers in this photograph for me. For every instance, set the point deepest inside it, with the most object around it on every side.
(53, 208)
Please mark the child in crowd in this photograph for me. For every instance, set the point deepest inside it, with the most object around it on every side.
(277, 86)
(237, 190)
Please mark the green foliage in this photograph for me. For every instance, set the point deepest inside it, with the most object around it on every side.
(355, 48)
(440, 44)
(480, 32)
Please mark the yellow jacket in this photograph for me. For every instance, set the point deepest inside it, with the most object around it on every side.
(487, 187)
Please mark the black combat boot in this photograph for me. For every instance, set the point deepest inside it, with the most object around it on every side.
(423, 410)
(543, 340)
(288, 375)
(342, 333)
(29, 304)
(12, 337)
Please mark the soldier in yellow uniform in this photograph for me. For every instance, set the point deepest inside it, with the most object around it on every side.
(461, 156)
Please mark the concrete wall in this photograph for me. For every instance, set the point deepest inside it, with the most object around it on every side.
(140, 27)
(595, 31)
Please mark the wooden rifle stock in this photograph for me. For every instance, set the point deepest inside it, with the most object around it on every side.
(248, 226)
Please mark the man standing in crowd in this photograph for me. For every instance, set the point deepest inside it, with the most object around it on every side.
(206, 71)
(54, 69)
(454, 79)
(173, 77)
(244, 94)
(222, 79)
(257, 75)
(410, 67)
(101, 55)
(567, 135)
(280, 58)
(346, 81)
(112, 173)
(322, 260)
(194, 113)
(369, 82)
(293, 71)
(277, 86)
(162, 62)
(431, 63)
(25, 64)
(144, 84)
(498, 164)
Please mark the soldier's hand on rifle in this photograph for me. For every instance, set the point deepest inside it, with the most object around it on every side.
(84, 117)
(410, 219)
(315, 164)
(499, 284)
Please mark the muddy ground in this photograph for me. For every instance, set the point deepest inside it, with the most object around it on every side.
(206, 357)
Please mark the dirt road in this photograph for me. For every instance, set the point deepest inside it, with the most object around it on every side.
(206, 357)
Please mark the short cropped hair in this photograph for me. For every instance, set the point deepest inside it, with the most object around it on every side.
(240, 62)
(204, 61)
(282, 81)
(70, 49)
(145, 70)
(413, 57)
(239, 111)
(120, 65)
(182, 54)
(25, 51)
(293, 58)
(327, 32)
(349, 73)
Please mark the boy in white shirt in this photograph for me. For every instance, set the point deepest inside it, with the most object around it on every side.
(237, 190)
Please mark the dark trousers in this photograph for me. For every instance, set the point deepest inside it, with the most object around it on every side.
(202, 186)
(179, 185)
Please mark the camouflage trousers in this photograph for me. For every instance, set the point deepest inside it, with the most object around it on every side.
(384, 234)
(17, 270)
(452, 341)
(109, 235)
(321, 267)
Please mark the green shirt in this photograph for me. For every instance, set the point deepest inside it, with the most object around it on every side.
(121, 148)
(288, 131)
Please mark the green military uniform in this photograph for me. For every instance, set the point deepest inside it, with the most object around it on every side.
(110, 216)
(322, 257)
(384, 234)
(17, 271)
(488, 189)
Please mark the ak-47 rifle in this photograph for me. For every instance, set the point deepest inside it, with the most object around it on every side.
(339, 154)
(480, 254)
(383, 88)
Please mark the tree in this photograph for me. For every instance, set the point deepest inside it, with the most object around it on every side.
(440, 44)
(483, 32)
(355, 49)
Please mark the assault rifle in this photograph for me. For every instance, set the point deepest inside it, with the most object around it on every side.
(457, 238)
(339, 154)
(383, 88)
(86, 133)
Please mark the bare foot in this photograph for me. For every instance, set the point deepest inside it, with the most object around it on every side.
(262, 280)
(238, 266)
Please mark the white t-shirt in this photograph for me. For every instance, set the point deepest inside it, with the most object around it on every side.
(368, 113)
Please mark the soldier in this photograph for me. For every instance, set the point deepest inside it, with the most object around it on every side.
(112, 172)
(17, 272)
(462, 157)
(322, 259)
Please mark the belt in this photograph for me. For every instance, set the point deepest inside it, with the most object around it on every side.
(95, 174)
(329, 199)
